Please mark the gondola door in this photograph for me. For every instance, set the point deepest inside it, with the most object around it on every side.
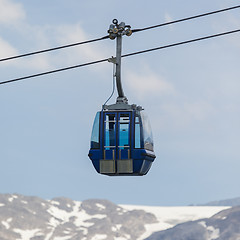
(124, 162)
(116, 148)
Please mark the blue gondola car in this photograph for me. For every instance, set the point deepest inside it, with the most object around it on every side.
(121, 142)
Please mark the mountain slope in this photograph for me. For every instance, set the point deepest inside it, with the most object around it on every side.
(227, 202)
(59, 219)
(32, 218)
(222, 226)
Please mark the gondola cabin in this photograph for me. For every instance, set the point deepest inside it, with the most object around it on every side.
(121, 141)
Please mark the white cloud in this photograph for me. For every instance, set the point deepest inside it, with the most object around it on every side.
(10, 12)
(198, 110)
(230, 22)
(37, 62)
(145, 82)
(67, 34)
(6, 49)
(167, 17)
(184, 113)
(39, 38)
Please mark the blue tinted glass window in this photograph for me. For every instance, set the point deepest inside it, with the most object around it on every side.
(95, 132)
(147, 132)
(124, 130)
(137, 133)
(110, 130)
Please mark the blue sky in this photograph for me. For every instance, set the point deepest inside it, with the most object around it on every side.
(190, 92)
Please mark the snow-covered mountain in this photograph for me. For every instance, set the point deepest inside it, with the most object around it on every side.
(32, 218)
(222, 226)
(227, 202)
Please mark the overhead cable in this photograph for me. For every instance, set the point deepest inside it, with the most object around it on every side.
(181, 43)
(106, 37)
(53, 49)
(125, 55)
(54, 71)
(186, 19)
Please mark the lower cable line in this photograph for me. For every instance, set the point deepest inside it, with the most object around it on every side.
(54, 71)
(182, 43)
(125, 55)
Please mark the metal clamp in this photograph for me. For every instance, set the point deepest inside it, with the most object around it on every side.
(116, 29)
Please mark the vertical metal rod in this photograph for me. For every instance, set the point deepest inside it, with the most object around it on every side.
(118, 65)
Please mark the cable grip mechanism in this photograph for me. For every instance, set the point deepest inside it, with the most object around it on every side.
(116, 29)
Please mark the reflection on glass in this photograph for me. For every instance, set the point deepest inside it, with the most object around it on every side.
(137, 133)
(147, 132)
(124, 130)
(110, 130)
(95, 132)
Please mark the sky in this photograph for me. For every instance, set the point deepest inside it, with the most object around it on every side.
(190, 93)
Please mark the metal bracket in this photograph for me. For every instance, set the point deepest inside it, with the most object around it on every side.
(112, 60)
(117, 31)
(121, 29)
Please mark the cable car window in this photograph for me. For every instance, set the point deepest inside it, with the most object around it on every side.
(95, 132)
(124, 131)
(110, 131)
(137, 133)
(147, 132)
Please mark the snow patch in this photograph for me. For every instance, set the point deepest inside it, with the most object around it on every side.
(6, 223)
(54, 202)
(116, 227)
(120, 238)
(59, 213)
(53, 222)
(2, 205)
(100, 206)
(62, 238)
(214, 233)
(202, 223)
(85, 230)
(99, 216)
(13, 197)
(49, 235)
(168, 217)
(26, 234)
(82, 219)
(99, 237)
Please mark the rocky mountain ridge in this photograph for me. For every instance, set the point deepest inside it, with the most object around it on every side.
(227, 202)
(33, 218)
(222, 226)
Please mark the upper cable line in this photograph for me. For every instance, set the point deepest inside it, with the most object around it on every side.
(106, 37)
(186, 19)
(53, 49)
(182, 43)
(125, 55)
